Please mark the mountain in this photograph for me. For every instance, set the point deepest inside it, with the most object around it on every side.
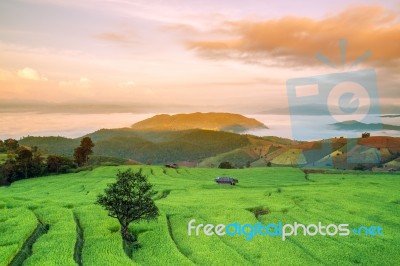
(207, 148)
(390, 116)
(316, 109)
(357, 126)
(163, 147)
(208, 121)
(182, 139)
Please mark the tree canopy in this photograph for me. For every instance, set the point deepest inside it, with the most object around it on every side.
(129, 199)
(81, 153)
(225, 165)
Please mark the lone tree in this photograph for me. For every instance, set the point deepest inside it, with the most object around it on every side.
(24, 161)
(81, 154)
(129, 200)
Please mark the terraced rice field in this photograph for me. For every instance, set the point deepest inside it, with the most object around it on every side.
(53, 220)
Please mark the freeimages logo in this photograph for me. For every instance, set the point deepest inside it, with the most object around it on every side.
(347, 98)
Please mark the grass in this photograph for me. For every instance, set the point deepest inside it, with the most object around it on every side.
(60, 239)
(16, 225)
(276, 194)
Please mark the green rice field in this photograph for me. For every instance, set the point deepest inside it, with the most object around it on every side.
(55, 221)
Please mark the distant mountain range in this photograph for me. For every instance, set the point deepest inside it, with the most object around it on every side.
(359, 126)
(321, 109)
(192, 139)
(390, 116)
(208, 121)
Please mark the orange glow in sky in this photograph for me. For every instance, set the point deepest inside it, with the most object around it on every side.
(121, 56)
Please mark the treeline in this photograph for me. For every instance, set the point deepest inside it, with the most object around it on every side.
(52, 145)
(26, 162)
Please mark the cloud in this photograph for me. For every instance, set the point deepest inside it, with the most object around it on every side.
(5, 75)
(114, 37)
(150, 92)
(127, 84)
(294, 41)
(123, 38)
(31, 74)
(83, 83)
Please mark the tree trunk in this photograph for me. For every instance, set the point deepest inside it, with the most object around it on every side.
(126, 235)
(26, 171)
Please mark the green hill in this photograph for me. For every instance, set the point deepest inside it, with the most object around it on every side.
(56, 145)
(182, 146)
(238, 158)
(169, 147)
(394, 163)
(209, 121)
(209, 148)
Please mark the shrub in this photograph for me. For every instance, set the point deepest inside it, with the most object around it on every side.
(225, 165)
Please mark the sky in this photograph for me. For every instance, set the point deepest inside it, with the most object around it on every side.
(153, 56)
